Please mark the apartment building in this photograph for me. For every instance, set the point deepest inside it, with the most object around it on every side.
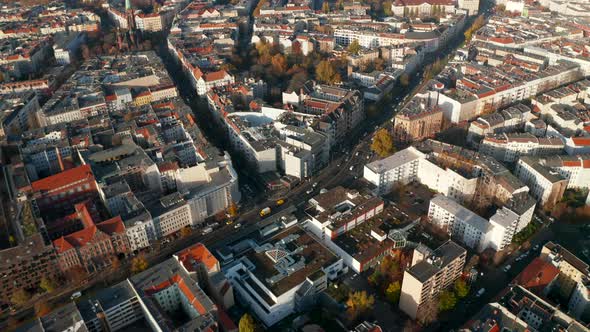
(401, 167)
(431, 272)
(421, 7)
(510, 147)
(278, 278)
(204, 268)
(207, 81)
(421, 118)
(572, 270)
(24, 265)
(339, 210)
(545, 185)
(64, 189)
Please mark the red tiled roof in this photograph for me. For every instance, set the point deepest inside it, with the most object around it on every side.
(63, 179)
(214, 76)
(112, 226)
(582, 141)
(177, 280)
(200, 254)
(537, 275)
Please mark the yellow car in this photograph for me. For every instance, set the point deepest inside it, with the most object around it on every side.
(280, 202)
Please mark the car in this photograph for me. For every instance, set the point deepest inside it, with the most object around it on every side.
(238, 225)
(536, 247)
(338, 165)
(351, 168)
(507, 268)
(75, 295)
(309, 191)
(229, 222)
(480, 292)
(357, 154)
(315, 184)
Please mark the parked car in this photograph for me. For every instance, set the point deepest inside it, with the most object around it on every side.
(480, 292)
(507, 268)
(75, 295)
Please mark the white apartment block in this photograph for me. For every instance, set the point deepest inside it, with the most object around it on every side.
(401, 167)
(473, 230)
(545, 185)
(509, 147)
(412, 165)
(207, 81)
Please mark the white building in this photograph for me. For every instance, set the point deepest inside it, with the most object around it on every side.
(401, 167)
(278, 278)
(205, 82)
(545, 185)
(509, 147)
(475, 231)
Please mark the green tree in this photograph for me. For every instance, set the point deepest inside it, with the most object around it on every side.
(139, 264)
(354, 47)
(326, 72)
(47, 284)
(359, 303)
(461, 288)
(383, 143)
(247, 323)
(19, 297)
(393, 292)
(447, 300)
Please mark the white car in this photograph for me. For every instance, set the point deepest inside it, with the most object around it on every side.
(75, 295)
(351, 168)
(507, 268)
(238, 225)
(315, 184)
(309, 191)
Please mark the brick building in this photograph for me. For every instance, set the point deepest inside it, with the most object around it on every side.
(65, 189)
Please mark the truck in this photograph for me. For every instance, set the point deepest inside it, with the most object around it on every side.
(265, 212)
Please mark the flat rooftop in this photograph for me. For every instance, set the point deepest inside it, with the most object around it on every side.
(300, 246)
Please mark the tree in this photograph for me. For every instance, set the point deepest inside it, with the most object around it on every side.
(354, 47)
(279, 64)
(76, 274)
(232, 210)
(247, 323)
(383, 143)
(42, 308)
(359, 303)
(139, 264)
(404, 79)
(326, 7)
(447, 300)
(19, 297)
(47, 284)
(461, 288)
(326, 72)
(393, 292)
(186, 231)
